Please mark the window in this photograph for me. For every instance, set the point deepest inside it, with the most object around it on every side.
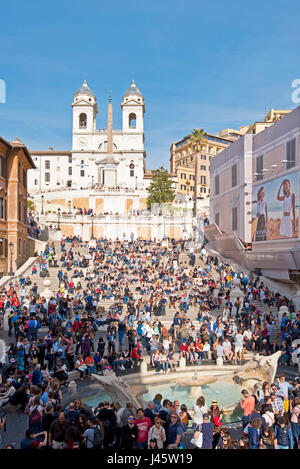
(203, 157)
(217, 185)
(192, 177)
(24, 179)
(192, 188)
(203, 180)
(183, 187)
(69, 183)
(217, 219)
(47, 177)
(25, 213)
(234, 175)
(203, 167)
(131, 167)
(191, 158)
(82, 172)
(35, 182)
(132, 120)
(1, 208)
(2, 167)
(291, 153)
(259, 167)
(203, 190)
(70, 171)
(82, 121)
(183, 176)
(70, 159)
(47, 164)
(234, 218)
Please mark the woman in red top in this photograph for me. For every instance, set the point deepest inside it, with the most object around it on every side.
(216, 414)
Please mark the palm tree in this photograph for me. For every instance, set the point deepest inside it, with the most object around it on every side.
(197, 138)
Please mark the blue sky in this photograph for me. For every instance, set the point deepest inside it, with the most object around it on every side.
(198, 64)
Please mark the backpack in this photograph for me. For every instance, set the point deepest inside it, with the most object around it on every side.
(98, 437)
(28, 405)
(35, 416)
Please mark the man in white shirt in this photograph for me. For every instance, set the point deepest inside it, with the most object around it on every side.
(22, 293)
(226, 313)
(227, 349)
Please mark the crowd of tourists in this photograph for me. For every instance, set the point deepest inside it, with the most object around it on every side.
(33, 228)
(108, 314)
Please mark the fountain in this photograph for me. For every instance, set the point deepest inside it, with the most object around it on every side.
(256, 371)
(223, 384)
(112, 384)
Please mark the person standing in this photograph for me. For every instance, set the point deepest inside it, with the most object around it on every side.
(157, 432)
(283, 437)
(143, 425)
(58, 432)
(248, 405)
(175, 432)
(238, 346)
(206, 428)
(295, 419)
(200, 408)
(129, 434)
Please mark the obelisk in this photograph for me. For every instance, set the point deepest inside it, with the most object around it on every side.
(109, 128)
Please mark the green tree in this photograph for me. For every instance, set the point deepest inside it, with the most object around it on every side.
(160, 189)
(31, 205)
(197, 138)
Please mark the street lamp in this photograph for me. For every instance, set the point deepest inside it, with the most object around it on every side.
(11, 246)
(135, 182)
(42, 212)
(92, 217)
(184, 216)
(58, 219)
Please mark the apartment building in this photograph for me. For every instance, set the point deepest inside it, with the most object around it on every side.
(15, 161)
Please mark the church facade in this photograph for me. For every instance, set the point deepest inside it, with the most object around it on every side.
(100, 158)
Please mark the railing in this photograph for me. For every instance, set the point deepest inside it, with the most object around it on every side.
(170, 219)
(90, 187)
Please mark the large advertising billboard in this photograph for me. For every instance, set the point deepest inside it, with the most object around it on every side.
(275, 212)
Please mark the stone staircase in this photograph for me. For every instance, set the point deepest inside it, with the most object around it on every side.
(53, 271)
(166, 320)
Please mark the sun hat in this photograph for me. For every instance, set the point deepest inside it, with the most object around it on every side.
(214, 402)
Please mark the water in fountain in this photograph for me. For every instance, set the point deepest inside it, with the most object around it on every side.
(227, 394)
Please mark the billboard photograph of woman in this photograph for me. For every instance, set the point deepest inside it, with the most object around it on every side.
(262, 216)
(288, 220)
(275, 208)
